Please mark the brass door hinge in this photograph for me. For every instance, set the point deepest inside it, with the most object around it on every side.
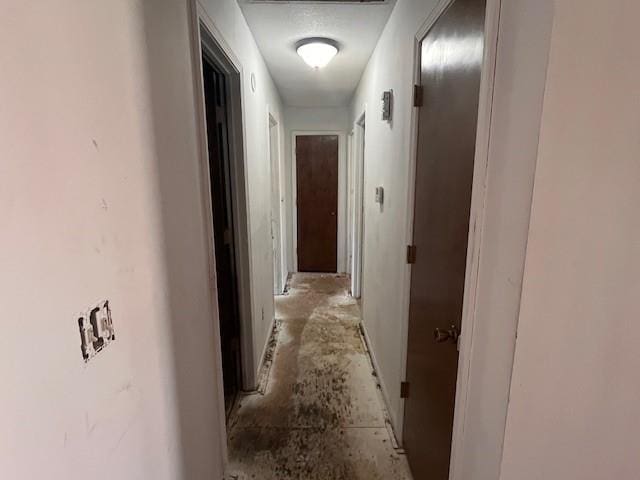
(411, 254)
(404, 390)
(418, 92)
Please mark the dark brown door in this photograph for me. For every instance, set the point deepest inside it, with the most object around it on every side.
(215, 93)
(317, 201)
(451, 59)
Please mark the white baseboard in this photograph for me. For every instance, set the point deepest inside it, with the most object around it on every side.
(265, 348)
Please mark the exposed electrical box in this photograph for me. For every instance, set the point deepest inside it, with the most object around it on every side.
(96, 330)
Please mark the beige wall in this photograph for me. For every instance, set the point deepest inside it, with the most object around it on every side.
(100, 199)
(575, 398)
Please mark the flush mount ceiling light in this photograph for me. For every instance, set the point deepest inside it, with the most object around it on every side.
(317, 52)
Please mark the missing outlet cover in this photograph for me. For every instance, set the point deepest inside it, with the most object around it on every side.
(96, 330)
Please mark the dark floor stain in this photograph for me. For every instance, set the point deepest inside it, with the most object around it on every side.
(319, 417)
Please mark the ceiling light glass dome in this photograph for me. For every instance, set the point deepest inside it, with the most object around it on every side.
(317, 53)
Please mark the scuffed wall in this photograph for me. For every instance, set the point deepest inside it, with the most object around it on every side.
(100, 199)
(88, 214)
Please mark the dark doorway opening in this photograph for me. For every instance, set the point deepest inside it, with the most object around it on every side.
(216, 93)
(317, 202)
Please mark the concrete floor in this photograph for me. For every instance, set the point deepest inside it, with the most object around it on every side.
(320, 416)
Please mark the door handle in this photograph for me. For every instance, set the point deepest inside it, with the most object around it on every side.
(333, 214)
(451, 335)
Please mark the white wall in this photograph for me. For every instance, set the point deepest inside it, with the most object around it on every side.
(503, 206)
(100, 199)
(302, 119)
(575, 397)
(387, 164)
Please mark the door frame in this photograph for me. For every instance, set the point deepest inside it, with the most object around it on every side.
(350, 199)
(357, 217)
(341, 214)
(477, 217)
(274, 122)
(205, 35)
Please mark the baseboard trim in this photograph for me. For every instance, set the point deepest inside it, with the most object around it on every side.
(384, 392)
(262, 372)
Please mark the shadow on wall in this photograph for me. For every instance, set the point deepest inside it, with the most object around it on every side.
(195, 399)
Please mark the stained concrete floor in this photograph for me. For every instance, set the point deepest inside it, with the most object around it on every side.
(320, 415)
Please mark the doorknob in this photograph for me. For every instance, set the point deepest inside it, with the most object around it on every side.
(451, 335)
(333, 214)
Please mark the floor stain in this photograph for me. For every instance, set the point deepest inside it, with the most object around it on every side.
(319, 415)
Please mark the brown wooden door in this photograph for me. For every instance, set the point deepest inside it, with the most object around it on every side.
(451, 59)
(317, 202)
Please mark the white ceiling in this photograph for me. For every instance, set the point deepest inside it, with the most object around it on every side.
(278, 26)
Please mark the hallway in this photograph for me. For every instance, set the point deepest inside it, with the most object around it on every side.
(320, 416)
(167, 166)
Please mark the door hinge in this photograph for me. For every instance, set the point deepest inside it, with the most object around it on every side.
(418, 91)
(411, 254)
(404, 389)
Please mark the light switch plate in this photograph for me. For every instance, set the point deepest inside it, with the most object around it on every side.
(96, 330)
(380, 195)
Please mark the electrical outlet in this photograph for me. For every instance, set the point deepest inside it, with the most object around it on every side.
(96, 330)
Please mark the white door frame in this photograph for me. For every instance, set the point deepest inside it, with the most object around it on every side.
(206, 35)
(357, 226)
(350, 202)
(281, 268)
(477, 217)
(476, 226)
(341, 214)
